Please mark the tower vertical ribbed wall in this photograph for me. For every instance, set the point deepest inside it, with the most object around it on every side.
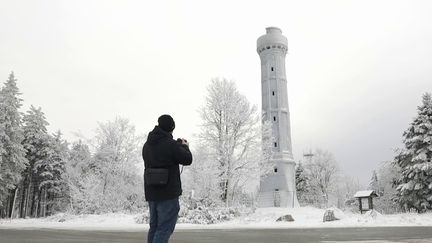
(278, 188)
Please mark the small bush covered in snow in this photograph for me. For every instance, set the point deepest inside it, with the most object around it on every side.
(203, 211)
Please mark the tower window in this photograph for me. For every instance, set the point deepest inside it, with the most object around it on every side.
(272, 68)
(268, 47)
(275, 144)
(276, 190)
(275, 169)
(273, 93)
(274, 118)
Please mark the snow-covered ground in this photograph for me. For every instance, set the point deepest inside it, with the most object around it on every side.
(305, 217)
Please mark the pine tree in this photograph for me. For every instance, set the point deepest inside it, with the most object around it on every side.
(12, 152)
(373, 185)
(51, 172)
(37, 143)
(414, 187)
(80, 158)
(302, 183)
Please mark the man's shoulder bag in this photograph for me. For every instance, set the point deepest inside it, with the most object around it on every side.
(156, 176)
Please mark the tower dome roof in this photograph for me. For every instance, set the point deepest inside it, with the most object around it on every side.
(273, 36)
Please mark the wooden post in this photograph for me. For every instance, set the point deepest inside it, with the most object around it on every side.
(360, 205)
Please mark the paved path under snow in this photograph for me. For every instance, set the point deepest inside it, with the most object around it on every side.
(327, 235)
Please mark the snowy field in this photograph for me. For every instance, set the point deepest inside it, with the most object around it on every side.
(305, 217)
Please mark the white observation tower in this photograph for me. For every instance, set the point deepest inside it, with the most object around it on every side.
(278, 188)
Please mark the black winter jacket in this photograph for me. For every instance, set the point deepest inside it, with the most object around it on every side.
(162, 151)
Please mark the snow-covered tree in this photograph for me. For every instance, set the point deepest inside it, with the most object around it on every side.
(52, 174)
(231, 131)
(117, 183)
(266, 164)
(12, 152)
(323, 172)
(415, 184)
(302, 184)
(388, 173)
(374, 184)
(80, 157)
(37, 143)
(346, 187)
(77, 169)
(200, 180)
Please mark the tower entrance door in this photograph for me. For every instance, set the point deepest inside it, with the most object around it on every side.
(276, 198)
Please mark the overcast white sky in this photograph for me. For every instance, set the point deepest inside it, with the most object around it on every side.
(356, 70)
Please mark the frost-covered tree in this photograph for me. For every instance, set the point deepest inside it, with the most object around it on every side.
(302, 184)
(347, 186)
(200, 179)
(116, 183)
(77, 169)
(52, 174)
(12, 152)
(374, 184)
(80, 157)
(231, 131)
(323, 172)
(415, 184)
(387, 174)
(37, 143)
(266, 164)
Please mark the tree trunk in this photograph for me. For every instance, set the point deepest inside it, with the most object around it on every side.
(22, 203)
(50, 203)
(45, 202)
(27, 198)
(2, 212)
(6, 208)
(105, 183)
(34, 199)
(71, 201)
(11, 199)
(225, 191)
(36, 202)
(14, 201)
(39, 205)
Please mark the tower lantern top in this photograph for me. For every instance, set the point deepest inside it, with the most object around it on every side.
(272, 39)
(273, 30)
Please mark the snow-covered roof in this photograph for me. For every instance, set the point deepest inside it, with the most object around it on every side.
(366, 193)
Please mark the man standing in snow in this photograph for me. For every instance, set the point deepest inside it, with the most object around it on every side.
(162, 185)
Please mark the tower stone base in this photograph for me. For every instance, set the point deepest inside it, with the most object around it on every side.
(278, 188)
(283, 199)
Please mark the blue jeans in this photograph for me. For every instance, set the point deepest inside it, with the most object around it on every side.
(163, 218)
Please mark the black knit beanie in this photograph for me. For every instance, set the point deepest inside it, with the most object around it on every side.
(166, 123)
